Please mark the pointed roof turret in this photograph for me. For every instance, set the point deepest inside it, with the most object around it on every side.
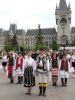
(69, 7)
(62, 5)
(56, 7)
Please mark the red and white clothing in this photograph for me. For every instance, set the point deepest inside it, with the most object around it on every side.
(19, 66)
(64, 67)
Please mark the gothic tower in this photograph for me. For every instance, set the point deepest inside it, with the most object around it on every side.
(63, 21)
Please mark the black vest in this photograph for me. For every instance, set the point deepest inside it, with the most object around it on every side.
(44, 67)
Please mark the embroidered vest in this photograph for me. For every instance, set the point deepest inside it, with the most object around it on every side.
(64, 65)
(43, 67)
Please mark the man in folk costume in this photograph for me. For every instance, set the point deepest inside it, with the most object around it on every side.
(64, 66)
(54, 68)
(42, 71)
(19, 67)
(29, 72)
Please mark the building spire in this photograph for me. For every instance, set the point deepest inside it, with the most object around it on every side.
(56, 7)
(62, 5)
(69, 7)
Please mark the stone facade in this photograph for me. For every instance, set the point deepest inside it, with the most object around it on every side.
(48, 34)
(63, 21)
(20, 34)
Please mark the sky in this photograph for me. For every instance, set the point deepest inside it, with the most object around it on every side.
(27, 14)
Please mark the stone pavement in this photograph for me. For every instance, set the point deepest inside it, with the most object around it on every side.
(17, 92)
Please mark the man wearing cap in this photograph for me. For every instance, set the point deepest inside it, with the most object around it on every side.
(42, 71)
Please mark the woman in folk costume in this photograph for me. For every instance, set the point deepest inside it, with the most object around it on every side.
(72, 62)
(29, 72)
(43, 67)
(19, 67)
(4, 61)
(11, 64)
(64, 67)
(54, 68)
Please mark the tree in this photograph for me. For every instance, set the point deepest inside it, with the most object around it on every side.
(73, 42)
(39, 36)
(8, 47)
(14, 41)
(10, 44)
(39, 39)
(7, 40)
(54, 45)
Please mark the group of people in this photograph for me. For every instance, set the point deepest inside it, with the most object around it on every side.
(43, 65)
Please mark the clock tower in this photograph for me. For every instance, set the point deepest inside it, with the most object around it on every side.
(63, 21)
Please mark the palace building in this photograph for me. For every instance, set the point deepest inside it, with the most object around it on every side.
(64, 34)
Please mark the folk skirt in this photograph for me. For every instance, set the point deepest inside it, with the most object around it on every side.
(10, 71)
(29, 78)
(54, 74)
(4, 64)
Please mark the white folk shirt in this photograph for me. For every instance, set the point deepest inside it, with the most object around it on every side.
(30, 62)
(73, 58)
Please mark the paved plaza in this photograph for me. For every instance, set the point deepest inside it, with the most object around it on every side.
(17, 92)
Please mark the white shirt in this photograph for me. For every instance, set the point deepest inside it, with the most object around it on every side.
(4, 59)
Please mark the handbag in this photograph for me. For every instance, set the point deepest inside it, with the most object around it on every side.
(14, 73)
(71, 69)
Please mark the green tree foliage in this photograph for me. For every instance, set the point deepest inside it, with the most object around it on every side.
(7, 39)
(39, 40)
(10, 44)
(8, 47)
(40, 46)
(14, 41)
(73, 42)
(54, 45)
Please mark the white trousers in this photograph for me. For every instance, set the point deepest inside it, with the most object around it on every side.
(19, 72)
(64, 74)
(42, 78)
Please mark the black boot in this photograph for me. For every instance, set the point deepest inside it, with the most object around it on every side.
(44, 91)
(55, 83)
(40, 91)
(18, 80)
(11, 80)
(65, 81)
(21, 79)
(62, 81)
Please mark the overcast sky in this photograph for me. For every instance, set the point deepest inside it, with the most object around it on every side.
(30, 13)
